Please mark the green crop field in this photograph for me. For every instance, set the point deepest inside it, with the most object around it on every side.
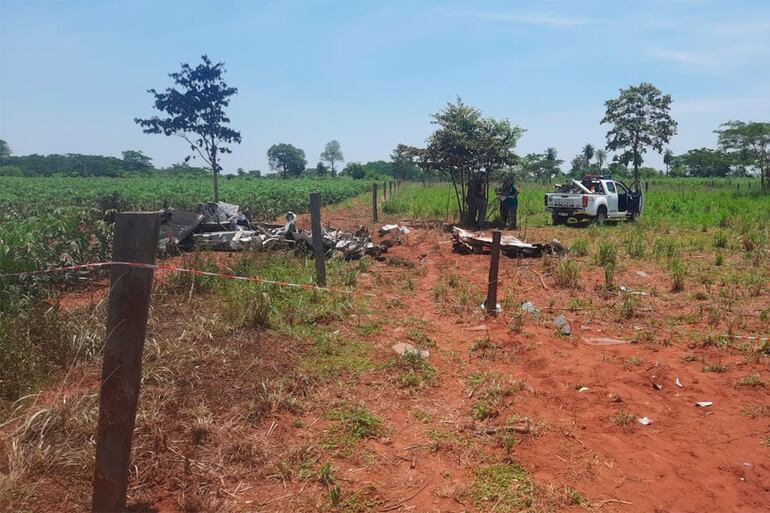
(264, 197)
(686, 203)
(52, 222)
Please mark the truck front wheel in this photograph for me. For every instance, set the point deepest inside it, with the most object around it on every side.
(601, 216)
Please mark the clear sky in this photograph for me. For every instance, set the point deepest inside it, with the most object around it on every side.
(74, 74)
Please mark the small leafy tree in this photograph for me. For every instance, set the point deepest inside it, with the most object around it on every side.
(354, 170)
(320, 169)
(136, 160)
(540, 166)
(750, 144)
(465, 144)
(578, 166)
(288, 160)
(195, 110)
(332, 153)
(705, 162)
(641, 119)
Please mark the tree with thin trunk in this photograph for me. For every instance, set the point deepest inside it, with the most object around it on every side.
(5, 150)
(641, 118)
(195, 109)
(668, 159)
(332, 153)
(588, 153)
(601, 158)
(750, 144)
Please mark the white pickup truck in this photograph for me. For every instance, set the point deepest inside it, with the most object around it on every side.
(593, 199)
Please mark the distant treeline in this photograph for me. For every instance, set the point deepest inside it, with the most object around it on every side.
(134, 163)
(73, 164)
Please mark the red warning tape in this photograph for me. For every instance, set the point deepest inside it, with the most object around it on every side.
(181, 270)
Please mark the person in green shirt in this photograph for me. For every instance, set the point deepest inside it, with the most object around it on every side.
(509, 203)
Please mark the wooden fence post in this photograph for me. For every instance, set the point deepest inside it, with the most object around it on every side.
(384, 191)
(494, 263)
(374, 203)
(136, 240)
(318, 243)
(391, 189)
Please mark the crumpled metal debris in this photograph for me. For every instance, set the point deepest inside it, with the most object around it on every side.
(393, 228)
(530, 307)
(466, 242)
(220, 217)
(562, 324)
(223, 227)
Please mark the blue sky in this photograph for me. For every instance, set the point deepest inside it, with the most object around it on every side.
(74, 73)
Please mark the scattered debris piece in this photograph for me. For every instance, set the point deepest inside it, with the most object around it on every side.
(388, 228)
(642, 274)
(228, 241)
(655, 385)
(177, 226)
(625, 289)
(583, 389)
(519, 426)
(562, 325)
(704, 404)
(614, 397)
(678, 383)
(498, 306)
(403, 348)
(480, 327)
(645, 421)
(604, 341)
(530, 307)
(466, 242)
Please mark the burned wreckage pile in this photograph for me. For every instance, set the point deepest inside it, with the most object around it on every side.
(223, 227)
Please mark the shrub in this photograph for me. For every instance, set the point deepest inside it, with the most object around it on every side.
(567, 274)
(720, 239)
(677, 276)
(580, 247)
(607, 254)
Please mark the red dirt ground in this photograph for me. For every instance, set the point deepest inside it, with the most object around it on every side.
(689, 459)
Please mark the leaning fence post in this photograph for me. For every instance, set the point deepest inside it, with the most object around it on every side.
(391, 189)
(318, 243)
(374, 202)
(136, 240)
(384, 191)
(494, 263)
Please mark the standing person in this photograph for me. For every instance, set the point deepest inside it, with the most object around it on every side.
(477, 200)
(509, 204)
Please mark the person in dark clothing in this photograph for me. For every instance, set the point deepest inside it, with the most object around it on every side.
(509, 204)
(477, 200)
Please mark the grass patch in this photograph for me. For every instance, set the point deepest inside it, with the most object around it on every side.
(415, 371)
(507, 486)
(715, 367)
(490, 389)
(623, 418)
(752, 380)
(353, 423)
(484, 348)
(579, 248)
(567, 274)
